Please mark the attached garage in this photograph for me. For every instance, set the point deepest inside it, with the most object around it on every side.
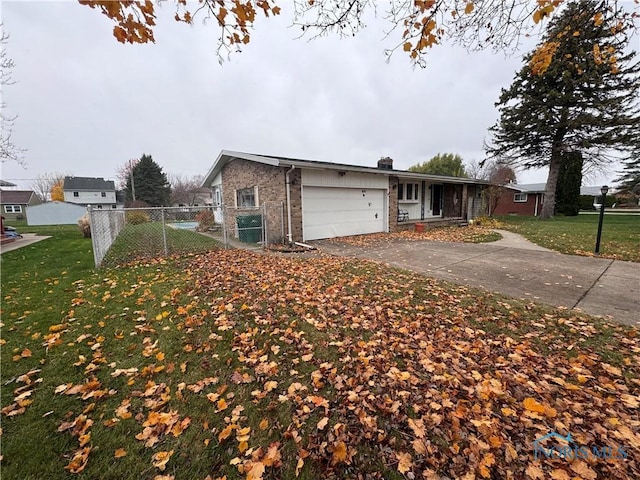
(338, 204)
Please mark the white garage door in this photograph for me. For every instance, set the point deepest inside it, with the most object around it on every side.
(337, 212)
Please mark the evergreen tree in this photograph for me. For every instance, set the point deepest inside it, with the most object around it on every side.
(150, 184)
(630, 177)
(577, 92)
(448, 164)
(568, 187)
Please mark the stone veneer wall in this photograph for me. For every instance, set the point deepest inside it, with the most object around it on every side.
(270, 180)
(393, 205)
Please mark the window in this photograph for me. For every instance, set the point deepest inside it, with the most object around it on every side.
(246, 197)
(113, 206)
(408, 191)
(76, 194)
(99, 207)
(103, 194)
(519, 197)
(13, 209)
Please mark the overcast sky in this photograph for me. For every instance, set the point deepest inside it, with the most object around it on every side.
(87, 103)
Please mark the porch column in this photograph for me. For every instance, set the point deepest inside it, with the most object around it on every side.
(464, 206)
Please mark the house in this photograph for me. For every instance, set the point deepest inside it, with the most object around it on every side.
(527, 199)
(324, 200)
(14, 203)
(97, 192)
(55, 213)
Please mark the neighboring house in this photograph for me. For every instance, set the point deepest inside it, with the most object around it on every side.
(527, 199)
(14, 203)
(326, 200)
(55, 213)
(97, 192)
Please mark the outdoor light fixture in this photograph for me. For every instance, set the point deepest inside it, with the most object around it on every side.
(604, 190)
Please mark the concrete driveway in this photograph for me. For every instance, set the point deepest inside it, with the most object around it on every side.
(517, 268)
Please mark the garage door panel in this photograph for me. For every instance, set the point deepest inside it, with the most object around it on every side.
(335, 212)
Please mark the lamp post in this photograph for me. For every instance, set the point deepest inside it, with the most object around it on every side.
(604, 191)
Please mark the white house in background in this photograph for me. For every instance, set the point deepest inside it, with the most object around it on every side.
(97, 192)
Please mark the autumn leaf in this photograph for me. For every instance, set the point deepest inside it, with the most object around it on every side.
(534, 472)
(582, 469)
(322, 423)
(559, 474)
(339, 453)
(221, 405)
(160, 459)
(533, 405)
(417, 426)
(405, 462)
(119, 453)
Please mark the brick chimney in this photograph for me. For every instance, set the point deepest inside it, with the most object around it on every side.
(385, 163)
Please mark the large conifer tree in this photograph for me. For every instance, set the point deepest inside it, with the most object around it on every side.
(149, 182)
(576, 93)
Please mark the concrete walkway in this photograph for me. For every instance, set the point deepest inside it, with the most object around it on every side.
(514, 266)
(27, 239)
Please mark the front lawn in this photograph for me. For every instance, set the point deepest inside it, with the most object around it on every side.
(577, 235)
(233, 365)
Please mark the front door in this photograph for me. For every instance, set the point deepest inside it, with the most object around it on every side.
(436, 200)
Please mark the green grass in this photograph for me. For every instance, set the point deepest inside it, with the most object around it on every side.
(245, 319)
(577, 235)
(146, 240)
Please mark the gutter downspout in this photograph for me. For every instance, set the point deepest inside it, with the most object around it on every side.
(535, 212)
(288, 182)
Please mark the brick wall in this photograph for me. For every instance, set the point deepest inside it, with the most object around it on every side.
(270, 180)
(506, 205)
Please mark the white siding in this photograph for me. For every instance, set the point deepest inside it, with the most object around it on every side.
(339, 178)
(90, 197)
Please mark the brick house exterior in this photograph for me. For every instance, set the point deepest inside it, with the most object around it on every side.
(527, 199)
(520, 200)
(349, 199)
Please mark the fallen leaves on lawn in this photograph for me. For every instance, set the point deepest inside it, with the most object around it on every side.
(346, 368)
(470, 233)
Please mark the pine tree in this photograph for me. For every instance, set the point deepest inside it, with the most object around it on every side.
(149, 184)
(568, 186)
(577, 92)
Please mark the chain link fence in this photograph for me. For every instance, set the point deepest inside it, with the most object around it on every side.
(123, 235)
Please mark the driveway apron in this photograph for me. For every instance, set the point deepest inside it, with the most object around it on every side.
(596, 286)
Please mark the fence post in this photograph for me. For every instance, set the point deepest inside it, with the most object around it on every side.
(223, 209)
(164, 233)
(93, 236)
(264, 225)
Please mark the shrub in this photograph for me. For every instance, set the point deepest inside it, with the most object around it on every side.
(485, 222)
(205, 220)
(137, 217)
(85, 226)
